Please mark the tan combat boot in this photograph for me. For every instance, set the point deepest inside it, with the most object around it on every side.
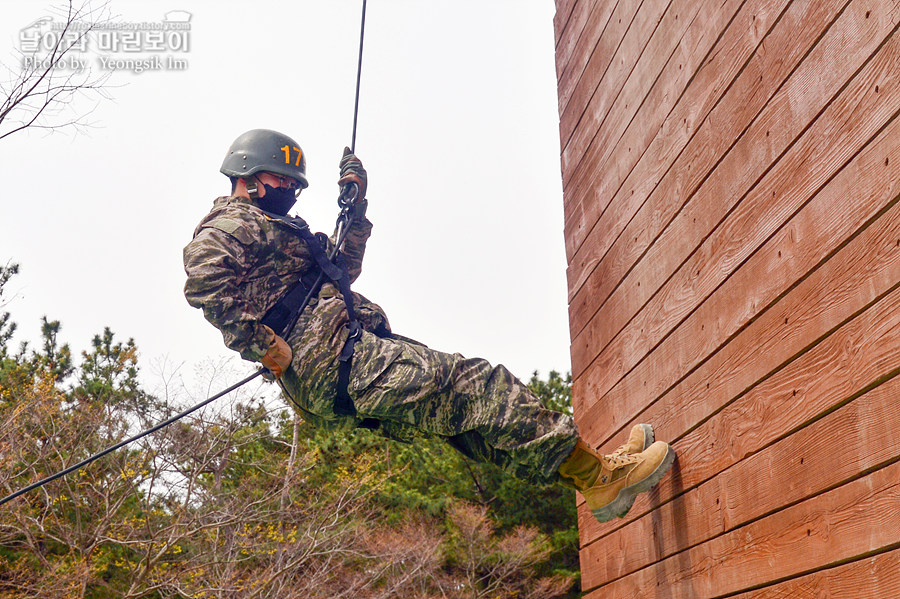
(610, 483)
(640, 438)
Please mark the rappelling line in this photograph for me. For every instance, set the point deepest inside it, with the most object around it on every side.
(362, 34)
(108, 450)
(346, 200)
(344, 216)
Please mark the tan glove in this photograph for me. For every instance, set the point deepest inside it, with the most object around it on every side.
(278, 357)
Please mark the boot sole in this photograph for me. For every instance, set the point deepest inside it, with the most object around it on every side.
(619, 506)
(649, 438)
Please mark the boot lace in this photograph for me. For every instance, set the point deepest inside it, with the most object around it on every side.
(619, 450)
(618, 460)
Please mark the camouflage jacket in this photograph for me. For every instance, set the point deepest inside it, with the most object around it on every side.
(240, 263)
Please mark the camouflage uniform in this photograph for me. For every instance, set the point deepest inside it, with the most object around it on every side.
(240, 263)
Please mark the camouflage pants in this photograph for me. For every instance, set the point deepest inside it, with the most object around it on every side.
(481, 410)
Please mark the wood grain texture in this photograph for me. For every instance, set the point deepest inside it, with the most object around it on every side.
(834, 136)
(724, 126)
(564, 10)
(589, 195)
(693, 138)
(776, 370)
(680, 16)
(857, 437)
(577, 46)
(575, 90)
(823, 224)
(844, 523)
(785, 189)
(876, 577)
(586, 112)
(732, 222)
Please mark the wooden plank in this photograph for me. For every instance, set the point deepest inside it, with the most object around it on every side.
(578, 83)
(877, 576)
(680, 17)
(829, 142)
(594, 38)
(588, 111)
(826, 454)
(791, 362)
(564, 10)
(641, 120)
(757, 22)
(833, 216)
(729, 120)
(588, 21)
(796, 177)
(602, 36)
(587, 196)
(844, 523)
(567, 40)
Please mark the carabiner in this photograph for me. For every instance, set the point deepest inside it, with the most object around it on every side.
(348, 196)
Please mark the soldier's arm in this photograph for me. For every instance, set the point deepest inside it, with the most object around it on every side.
(216, 261)
(355, 246)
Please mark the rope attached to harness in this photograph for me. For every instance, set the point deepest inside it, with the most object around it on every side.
(108, 450)
(362, 35)
(333, 268)
(292, 308)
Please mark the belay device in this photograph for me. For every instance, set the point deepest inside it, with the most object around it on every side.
(290, 309)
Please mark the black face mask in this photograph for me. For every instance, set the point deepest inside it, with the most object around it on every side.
(277, 199)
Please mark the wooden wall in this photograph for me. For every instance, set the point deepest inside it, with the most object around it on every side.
(731, 172)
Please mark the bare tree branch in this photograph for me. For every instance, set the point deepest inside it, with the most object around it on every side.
(41, 93)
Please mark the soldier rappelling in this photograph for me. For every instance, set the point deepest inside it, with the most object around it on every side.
(340, 364)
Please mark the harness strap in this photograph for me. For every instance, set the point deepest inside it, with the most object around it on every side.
(338, 274)
(279, 316)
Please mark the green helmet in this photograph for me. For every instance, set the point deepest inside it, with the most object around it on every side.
(261, 150)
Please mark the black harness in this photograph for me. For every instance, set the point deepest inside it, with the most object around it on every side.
(282, 317)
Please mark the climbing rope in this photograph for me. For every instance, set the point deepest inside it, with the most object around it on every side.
(347, 198)
(131, 439)
(362, 34)
(345, 220)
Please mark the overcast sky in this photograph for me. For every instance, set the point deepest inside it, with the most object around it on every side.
(458, 129)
